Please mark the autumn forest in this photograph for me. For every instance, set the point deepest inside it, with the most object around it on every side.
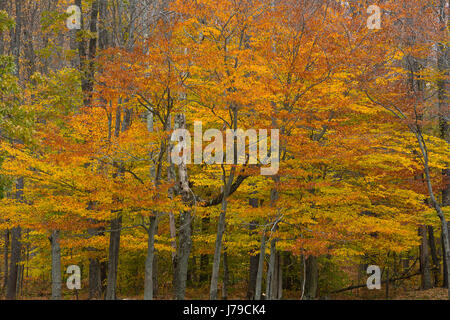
(232, 149)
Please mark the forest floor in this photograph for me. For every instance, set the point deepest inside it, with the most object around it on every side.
(431, 294)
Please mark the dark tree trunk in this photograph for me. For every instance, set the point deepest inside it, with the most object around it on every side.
(103, 40)
(16, 247)
(443, 67)
(155, 275)
(56, 265)
(204, 258)
(253, 271)
(424, 260)
(270, 278)
(182, 257)
(444, 263)
(226, 276)
(113, 260)
(312, 278)
(95, 279)
(260, 272)
(434, 256)
(149, 261)
(277, 281)
(87, 84)
(16, 42)
(6, 255)
(2, 40)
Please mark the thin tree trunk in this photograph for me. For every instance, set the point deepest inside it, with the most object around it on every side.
(2, 39)
(16, 247)
(271, 270)
(6, 255)
(277, 280)
(113, 260)
(182, 257)
(217, 250)
(222, 216)
(312, 278)
(148, 282)
(437, 207)
(253, 270)
(56, 265)
(204, 258)
(259, 276)
(443, 67)
(226, 276)
(16, 41)
(434, 256)
(220, 231)
(444, 263)
(95, 279)
(424, 260)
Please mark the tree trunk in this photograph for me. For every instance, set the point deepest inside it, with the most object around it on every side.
(6, 255)
(218, 248)
(253, 272)
(259, 275)
(424, 260)
(113, 260)
(444, 263)
(56, 265)
(226, 276)
(442, 62)
(148, 282)
(312, 278)
(271, 270)
(222, 216)
(204, 258)
(277, 280)
(16, 41)
(2, 40)
(95, 279)
(155, 272)
(16, 247)
(182, 257)
(434, 256)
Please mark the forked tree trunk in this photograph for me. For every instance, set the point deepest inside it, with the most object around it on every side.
(181, 259)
